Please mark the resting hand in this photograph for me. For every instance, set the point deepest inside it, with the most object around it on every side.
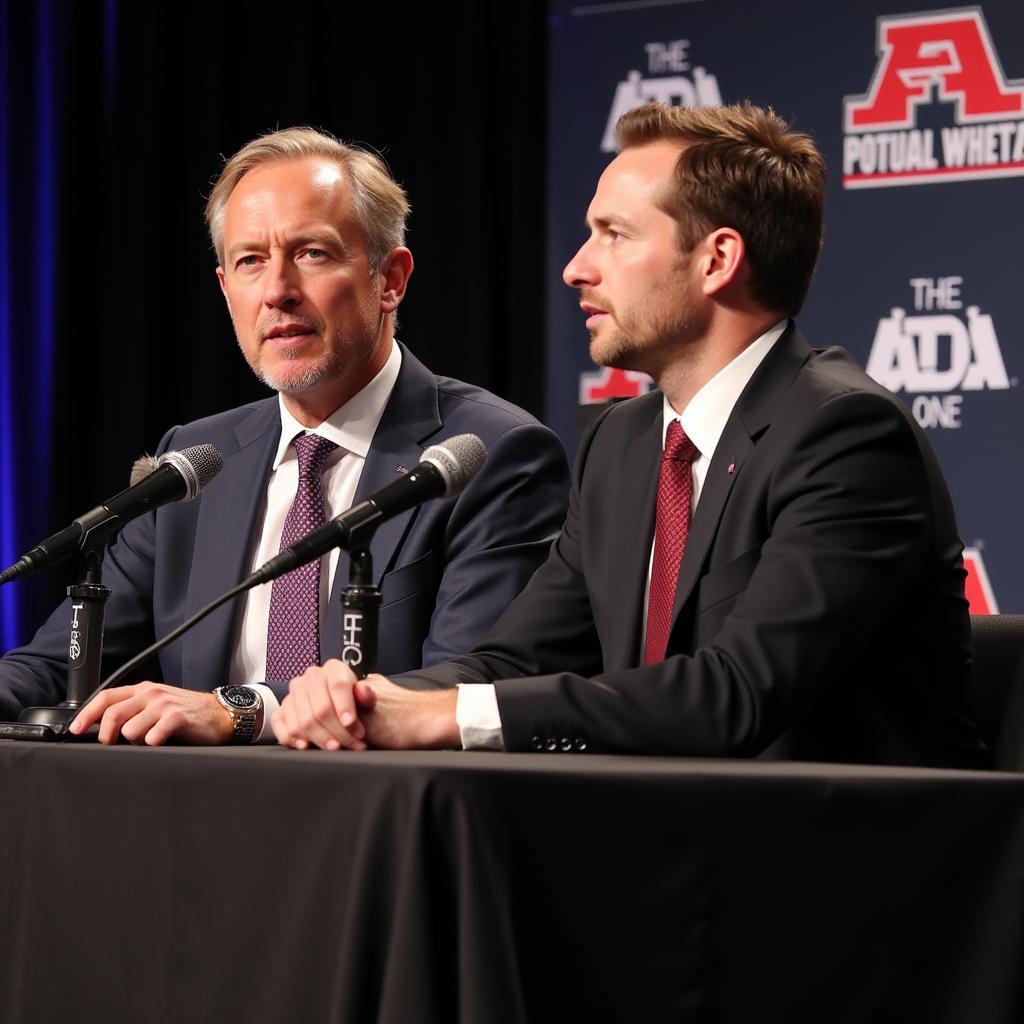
(401, 719)
(320, 710)
(153, 713)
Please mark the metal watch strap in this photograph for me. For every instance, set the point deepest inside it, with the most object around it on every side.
(244, 727)
(244, 723)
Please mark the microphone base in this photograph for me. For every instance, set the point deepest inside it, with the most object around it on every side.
(57, 719)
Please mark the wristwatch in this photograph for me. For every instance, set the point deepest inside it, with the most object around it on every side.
(245, 705)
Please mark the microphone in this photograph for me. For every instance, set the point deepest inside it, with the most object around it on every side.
(443, 472)
(175, 476)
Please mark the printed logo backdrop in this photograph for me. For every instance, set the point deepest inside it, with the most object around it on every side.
(919, 111)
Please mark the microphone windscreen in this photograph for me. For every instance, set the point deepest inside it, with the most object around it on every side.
(458, 460)
(143, 466)
(198, 464)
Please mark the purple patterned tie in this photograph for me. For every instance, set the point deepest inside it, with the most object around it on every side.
(675, 486)
(293, 630)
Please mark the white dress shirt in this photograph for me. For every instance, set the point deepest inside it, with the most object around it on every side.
(351, 427)
(703, 420)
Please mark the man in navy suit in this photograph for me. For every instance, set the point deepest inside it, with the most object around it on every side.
(309, 236)
(817, 608)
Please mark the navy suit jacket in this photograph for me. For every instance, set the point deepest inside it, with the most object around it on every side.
(446, 569)
(820, 610)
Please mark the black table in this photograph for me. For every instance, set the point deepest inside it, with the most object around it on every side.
(262, 884)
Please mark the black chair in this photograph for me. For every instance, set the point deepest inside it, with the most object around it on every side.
(997, 690)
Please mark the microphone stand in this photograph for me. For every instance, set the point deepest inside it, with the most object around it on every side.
(85, 644)
(360, 605)
(364, 601)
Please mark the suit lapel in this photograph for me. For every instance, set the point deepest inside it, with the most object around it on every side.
(751, 416)
(637, 482)
(411, 417)
(229, 512)
(733, 448)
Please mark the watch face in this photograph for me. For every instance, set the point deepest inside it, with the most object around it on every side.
(241, 697)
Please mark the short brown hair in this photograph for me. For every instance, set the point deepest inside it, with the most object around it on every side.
(744, 168)
(379, 202)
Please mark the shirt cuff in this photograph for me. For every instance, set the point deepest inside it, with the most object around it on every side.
(476, 715)
(270, 704)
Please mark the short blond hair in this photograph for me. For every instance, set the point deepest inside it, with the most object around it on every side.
(378, 201)
(744, 168)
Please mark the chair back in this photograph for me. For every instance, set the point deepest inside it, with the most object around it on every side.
(997, 689)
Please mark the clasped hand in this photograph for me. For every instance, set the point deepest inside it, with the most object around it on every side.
(328, 707)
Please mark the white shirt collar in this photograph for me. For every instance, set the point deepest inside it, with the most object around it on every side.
(707, 413)
(351, 426)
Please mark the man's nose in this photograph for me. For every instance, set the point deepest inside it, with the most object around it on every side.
(580, 270)
(282, 284)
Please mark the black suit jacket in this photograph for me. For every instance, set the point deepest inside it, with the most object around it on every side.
(820, 610)
(446, 570)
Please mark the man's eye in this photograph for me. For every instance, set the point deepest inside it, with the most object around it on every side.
(316, 254)
(247, 261)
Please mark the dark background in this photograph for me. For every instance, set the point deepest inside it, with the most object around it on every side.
(116, 118)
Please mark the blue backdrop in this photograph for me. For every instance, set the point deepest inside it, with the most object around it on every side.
(920, 115)
(29, 157)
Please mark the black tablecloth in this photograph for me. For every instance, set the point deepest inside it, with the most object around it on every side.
(185, 885)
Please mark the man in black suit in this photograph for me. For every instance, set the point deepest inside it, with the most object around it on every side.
(818, 610)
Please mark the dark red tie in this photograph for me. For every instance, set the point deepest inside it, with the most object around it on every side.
(675, 486)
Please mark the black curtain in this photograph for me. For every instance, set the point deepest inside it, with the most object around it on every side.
(152, 95)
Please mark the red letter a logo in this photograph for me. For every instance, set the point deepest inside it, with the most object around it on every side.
(952, 52)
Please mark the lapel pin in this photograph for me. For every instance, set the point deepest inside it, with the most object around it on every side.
(732, 467)
(402, 469)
